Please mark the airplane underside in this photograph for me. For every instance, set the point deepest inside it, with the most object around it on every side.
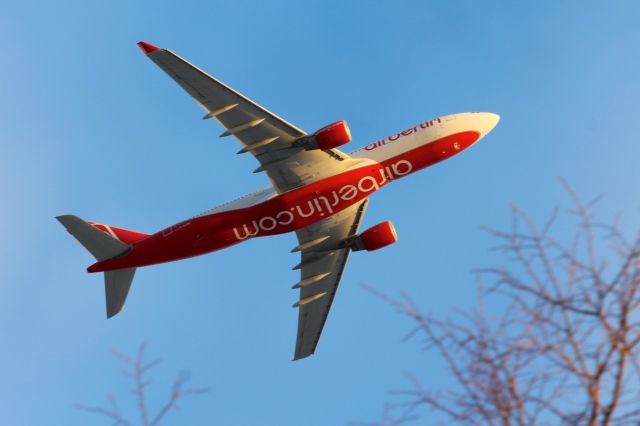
(318, 192)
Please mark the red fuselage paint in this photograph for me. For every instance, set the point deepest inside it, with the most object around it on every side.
(291, 210)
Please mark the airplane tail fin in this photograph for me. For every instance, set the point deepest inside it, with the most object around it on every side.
(104, 245)
(124, 235)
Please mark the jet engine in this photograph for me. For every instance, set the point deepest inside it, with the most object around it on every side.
(331, 136)
(376, 237)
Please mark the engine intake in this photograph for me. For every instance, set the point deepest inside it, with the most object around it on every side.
(376, 237)
(329, 137)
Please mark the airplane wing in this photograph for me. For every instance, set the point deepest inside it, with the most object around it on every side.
(320, 272)
(262, 133)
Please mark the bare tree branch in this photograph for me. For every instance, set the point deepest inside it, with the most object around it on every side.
(113, 413)
(561, 346)
(137, 372)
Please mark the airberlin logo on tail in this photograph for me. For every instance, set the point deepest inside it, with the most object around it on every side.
(323, 206)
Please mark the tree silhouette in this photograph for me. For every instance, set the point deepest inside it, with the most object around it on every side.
(561, 344)
(137, 373)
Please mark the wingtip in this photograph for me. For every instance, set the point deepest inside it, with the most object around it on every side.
(146, 47)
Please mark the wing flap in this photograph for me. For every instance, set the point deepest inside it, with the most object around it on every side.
(216, 98)
(268, 137)
(321, 272)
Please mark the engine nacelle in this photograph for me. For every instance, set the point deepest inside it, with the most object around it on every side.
(329, 137)
(333, 135)
(376, 237)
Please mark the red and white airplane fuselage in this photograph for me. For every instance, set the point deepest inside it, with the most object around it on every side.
(316, 190)
(266, 213)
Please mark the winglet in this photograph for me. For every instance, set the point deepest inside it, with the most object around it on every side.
(147, 48)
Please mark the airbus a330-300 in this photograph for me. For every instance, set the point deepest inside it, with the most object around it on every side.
(316, 191)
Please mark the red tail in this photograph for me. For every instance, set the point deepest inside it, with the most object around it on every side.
(124, 235)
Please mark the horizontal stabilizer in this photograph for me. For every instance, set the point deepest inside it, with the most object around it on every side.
(116, 288)
(99, 244)
(104, 244)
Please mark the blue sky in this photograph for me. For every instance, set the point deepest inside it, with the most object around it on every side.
(91, 127)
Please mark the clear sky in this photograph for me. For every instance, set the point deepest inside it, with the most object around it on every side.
(91, 127)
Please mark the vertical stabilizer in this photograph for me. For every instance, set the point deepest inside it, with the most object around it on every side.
(103, 246)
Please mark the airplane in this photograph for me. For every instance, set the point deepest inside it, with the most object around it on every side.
(316, 191)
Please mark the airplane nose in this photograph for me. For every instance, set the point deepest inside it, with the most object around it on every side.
(487, 122)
